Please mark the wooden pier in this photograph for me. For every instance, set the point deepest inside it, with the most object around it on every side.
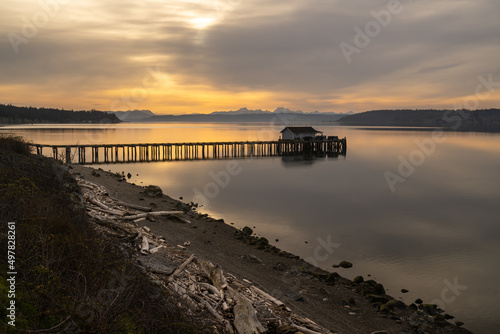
(124, 153)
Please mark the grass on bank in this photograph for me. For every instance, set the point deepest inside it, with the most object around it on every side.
(69, 279)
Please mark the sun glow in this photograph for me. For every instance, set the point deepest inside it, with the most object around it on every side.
(202, 22)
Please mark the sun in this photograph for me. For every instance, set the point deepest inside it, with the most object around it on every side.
(202, 22)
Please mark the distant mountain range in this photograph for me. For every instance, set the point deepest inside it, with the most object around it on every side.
(279, 110)
(279, 115)
(132, 115)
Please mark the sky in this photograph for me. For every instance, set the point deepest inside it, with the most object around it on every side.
(199, 56)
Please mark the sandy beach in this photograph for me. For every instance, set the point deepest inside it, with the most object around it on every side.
(333, 302)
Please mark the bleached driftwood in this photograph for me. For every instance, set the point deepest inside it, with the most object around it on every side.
(149, 214)
(103, 207)
(98, 203)
(207, 306)
(155, 249)
(267, 296)
(306, 321)
(245, 316)
(180, 269)
(111, 212)
(145, 246)
(211, 288)
(135, 207)
(108, 223)
(86, 186)
(305, 330)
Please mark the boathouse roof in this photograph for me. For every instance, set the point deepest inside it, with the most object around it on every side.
(300, 129)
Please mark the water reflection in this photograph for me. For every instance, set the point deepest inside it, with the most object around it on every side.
(301, 161)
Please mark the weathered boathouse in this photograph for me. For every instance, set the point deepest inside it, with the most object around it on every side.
(298, 132)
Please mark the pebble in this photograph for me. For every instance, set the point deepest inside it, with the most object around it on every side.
(280, 266)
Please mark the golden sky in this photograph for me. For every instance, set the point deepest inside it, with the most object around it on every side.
(175, 57)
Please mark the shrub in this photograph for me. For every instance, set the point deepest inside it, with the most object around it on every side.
(14, 144)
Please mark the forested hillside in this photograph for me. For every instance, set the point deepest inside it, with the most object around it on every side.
(458, 120)
(10, 114)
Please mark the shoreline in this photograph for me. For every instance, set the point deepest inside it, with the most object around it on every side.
(333, 302)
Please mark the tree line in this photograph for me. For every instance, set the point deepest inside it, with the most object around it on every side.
(10, 114)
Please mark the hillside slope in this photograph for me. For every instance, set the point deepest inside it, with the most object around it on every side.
(10, 114)
(459, 120)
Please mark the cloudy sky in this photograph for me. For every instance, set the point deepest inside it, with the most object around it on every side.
(173, 56)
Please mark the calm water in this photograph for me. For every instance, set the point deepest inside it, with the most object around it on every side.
(437, 234)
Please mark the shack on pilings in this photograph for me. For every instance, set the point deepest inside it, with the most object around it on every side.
(299, 132)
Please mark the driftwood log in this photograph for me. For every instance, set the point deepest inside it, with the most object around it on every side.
(145, 245)
(245, 316)
(181, 268)
(135, 207)
(104, 208)
(150, 214)
(267, 296)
